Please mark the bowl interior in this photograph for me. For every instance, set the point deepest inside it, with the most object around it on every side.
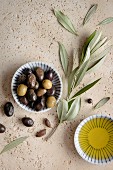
(33, 65)
(94, 139)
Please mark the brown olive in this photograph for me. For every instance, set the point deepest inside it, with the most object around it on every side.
(21, 90)
(2, 128)
(27, 71)
(41, 92)
(51, 101)
(51, 92)
(31, 95)
(49, 75)
(22, 78)
(31, 81)
(39, 74)
(27, 121)
(41, 133)
(36, 85)
(39, 106)
(8, 109)
(24, 100)
(47, 84)
(43, 100)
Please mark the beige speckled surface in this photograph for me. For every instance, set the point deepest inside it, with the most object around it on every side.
(29, 32)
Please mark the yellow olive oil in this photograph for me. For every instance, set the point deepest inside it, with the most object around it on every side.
(96, 138)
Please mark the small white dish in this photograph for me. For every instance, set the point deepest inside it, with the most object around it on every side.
(32, 65)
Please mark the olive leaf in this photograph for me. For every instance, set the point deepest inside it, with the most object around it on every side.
(65, 21)
(63, 57)
(101, 102)
(74, 109)
(62, 109)
(90, 13)
(95, 40)
(84, 89)
(87, 55)
(13, 144)
(86, 45)
(106, 21)
(75, 53)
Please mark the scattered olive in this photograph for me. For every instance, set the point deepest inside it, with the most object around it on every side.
(47, 122)
(47, 84)
(49, 75)
(24, 100)
(21, 90)
(89, 101)
(31, 95)
(2, 128)
(8, 109)
(40, 74)
(27, 121)
(22, 78)
(41, 133)
(31, 82)
(51, 92)
(51, 101)
(41, 92)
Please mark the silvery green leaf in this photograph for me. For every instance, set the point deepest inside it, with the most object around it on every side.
(84, 89)
(81, 72)
(100, 43)
(62, 110)
(63, 57)
(106, 21)
(87, 55)
(65, 22)
(74, 109)
(86, 45)
(101, 102)
(96, 65)
(90, 13)
(75, 53)
(95, 40)
(13, 144)
(97, 56)
(71, 78)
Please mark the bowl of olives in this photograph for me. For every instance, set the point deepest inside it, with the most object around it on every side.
(36, 87)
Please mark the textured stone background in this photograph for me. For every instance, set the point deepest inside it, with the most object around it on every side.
(29, 32)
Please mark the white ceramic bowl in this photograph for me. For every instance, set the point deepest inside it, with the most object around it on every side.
(32, 65)
(93, 139)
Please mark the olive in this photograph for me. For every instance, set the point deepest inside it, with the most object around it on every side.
(21, 90)
(31, 95)
(31, 81)
(51, 101)
(8, 109)
(31, 105)
(27, 121)
(24, 100)
(39, 106)
(39, 74)
(36, 85)
(47, 84)
(27, 71)
(2, 128)
(49, 75)
(51, 92)
(43, 100)
(22, 78)
(41, 92)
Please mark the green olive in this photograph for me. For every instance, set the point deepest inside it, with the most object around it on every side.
(51, 101)
(21, 90)
(41, 92)
(47, 84)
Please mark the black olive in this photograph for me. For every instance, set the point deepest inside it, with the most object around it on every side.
(24, 100)
(49, 75)
(8, 109)
(31, 95)
(31, 104)
(27, 71)
(22, 79)
(51, 92)
(27, 121)
(43, 101)
(39, 106)
(39, 74)
(2, 128)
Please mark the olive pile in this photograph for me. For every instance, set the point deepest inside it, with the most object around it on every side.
(35, 89)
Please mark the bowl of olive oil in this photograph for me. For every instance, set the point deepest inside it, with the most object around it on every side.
(93, 139)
